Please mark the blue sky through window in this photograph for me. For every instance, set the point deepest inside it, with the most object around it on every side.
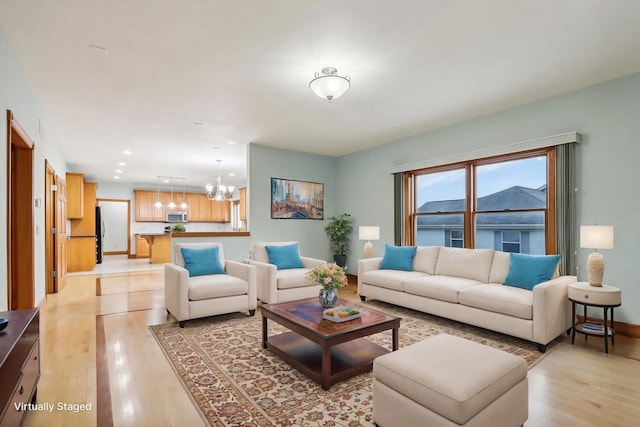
(450, 185)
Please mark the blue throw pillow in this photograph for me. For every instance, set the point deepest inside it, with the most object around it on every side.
(202, 261)
(398, 257)
(526, 271)
(284, 256)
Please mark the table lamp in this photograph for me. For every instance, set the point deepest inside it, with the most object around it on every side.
(368, 233)
(596, 237)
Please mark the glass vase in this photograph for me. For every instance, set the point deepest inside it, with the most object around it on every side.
(328, 297)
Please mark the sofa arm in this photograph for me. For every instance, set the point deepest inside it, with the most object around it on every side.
(551, 308)
(312, 262)
(176, 291)
(266, 281)
(247, 273)
(365, 265)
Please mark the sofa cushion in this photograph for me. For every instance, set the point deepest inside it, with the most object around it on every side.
(202, 261)
(526, 271)
(499, 267)
(501, 299)
(473, 264)
(390, 279)
(444, 288)
(398, 257)
(259, 250)
(284, 256)
(216, 286)
(292, 278)
(426, 258)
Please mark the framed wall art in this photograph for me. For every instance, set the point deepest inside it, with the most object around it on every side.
(292, 199)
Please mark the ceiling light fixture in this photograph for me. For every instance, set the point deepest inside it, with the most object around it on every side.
(171, 204)
(222, 192)
(158, 203)
(184, 204)
(329, 85)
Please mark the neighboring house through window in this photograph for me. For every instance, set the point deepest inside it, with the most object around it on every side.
(500, 203)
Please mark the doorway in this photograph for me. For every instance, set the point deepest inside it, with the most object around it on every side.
(115, 229)
(20, 233)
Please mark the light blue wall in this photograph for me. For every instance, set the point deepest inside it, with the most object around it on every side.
(265, 163)
(607, 117)
(17, 95)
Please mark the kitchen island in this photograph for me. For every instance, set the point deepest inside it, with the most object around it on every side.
(159, 247)
(160, 244)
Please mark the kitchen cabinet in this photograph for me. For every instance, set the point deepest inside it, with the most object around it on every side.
(81, 253)
(243, 203)
(75, 195)
(87, 223)
(142, 247)
(200, 209)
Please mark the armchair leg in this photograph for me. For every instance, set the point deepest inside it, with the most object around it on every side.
(181, 323)
(362, 297)
(252, 312)
(542, 348)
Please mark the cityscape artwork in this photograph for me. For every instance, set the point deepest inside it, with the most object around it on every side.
(292, 199)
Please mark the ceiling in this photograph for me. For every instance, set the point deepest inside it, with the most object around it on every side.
(182, 83)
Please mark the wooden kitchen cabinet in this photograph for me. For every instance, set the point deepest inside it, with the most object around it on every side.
(87, 224)
(142, 247)
(221, 211)
(243, 203)
(200, 209)
(75, 195)
(81, 253)
(145, 209)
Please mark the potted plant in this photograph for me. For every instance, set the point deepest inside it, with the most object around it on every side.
(339, 230)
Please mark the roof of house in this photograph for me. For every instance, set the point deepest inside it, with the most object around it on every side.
(516, 197)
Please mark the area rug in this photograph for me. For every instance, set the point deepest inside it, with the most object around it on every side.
(235, 382)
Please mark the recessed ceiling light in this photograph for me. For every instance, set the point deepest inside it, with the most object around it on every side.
(231, 142)
(119, 171)
(122, 164)
(165, 180)
(127, 152)
(232, 174)
(116, 177)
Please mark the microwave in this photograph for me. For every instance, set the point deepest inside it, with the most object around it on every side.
(176, 216)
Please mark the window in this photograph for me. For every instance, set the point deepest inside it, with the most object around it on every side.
(500, 203)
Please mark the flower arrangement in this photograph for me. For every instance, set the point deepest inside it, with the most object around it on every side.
(331, 276)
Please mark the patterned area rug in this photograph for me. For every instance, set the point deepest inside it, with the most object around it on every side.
(235, 382)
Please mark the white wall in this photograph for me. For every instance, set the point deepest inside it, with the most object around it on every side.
(17, 95)
(606, 116)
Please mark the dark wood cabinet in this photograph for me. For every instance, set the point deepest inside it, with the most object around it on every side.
(19, 364)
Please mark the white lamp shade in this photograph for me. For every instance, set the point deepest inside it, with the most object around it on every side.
(596, 236)
(329, 87)
(369, 232)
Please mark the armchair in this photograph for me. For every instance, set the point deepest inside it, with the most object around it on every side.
(280, 285)
(191, 297)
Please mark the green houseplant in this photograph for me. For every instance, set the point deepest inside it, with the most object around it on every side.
(339, 230)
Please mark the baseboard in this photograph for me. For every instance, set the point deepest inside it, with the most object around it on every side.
(626, 329)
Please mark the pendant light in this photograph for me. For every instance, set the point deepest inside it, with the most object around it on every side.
(158, 203)
(171, 204)
(184, 204)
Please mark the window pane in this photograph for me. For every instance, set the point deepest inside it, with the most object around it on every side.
(515, 184)
(492, 227)
(511, 236)
(511, 247)
(441, 191)
(436, 230)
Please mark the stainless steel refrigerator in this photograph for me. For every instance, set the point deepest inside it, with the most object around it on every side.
(99, 235)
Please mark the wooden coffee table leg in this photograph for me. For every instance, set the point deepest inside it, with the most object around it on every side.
(264, 332)
(394, 339)
(326, 367)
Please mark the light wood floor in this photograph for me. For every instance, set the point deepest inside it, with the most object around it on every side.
(572, 385)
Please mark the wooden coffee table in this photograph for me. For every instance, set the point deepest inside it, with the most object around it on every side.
(326, 351)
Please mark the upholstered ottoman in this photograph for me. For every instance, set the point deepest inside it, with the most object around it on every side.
(449, 381)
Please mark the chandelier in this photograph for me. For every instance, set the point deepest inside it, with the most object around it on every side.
(329, 85)
(220, 192)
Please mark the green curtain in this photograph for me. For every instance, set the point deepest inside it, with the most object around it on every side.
(398, 209)
(566, 207)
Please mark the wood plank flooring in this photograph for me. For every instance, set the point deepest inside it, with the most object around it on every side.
(99, 345)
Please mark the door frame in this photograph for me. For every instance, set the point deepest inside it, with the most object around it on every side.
(20, 251)
(50, 200)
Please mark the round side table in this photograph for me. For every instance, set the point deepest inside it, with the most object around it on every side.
(606, 297)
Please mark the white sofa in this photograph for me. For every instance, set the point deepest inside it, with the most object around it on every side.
(466, 285)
